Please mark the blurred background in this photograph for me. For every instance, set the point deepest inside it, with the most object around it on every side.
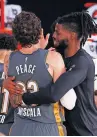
(49, 10)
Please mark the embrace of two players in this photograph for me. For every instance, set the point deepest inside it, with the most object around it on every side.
(33, 67)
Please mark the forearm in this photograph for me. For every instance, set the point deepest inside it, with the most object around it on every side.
(54, 93)
(38, 97)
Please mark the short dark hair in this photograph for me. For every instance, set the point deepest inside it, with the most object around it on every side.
(80, 23)
(7, 42)
(27, 28)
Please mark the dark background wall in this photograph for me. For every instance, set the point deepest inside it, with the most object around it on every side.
(49, 10)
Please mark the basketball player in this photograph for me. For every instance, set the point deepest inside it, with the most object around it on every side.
(7, 43)
(34, 67)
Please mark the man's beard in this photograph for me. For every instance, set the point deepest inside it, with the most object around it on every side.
(61, 47)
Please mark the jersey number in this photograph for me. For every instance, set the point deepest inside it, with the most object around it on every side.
(5, 102)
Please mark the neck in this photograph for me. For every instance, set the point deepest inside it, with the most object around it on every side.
(72, 49)
(27, 50)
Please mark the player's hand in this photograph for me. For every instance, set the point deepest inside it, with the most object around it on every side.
(52, 49)
(11, 86)
(15, 100)
(44, 40)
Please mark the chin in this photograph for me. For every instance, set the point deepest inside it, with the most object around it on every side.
(56, 45)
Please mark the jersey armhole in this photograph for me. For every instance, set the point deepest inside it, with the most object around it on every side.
(46, 64)
(45, 58)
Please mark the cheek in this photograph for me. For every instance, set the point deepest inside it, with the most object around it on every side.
(60, 37)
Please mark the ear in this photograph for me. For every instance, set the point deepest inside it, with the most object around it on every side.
(42, 33)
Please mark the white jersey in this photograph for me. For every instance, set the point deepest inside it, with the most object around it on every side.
(91, 47)
(92, 10)
(11, 10)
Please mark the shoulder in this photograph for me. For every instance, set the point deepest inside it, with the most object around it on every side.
(84, 59)
(13, 54)
(6, 63)
(7, 57)
(55, 58)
